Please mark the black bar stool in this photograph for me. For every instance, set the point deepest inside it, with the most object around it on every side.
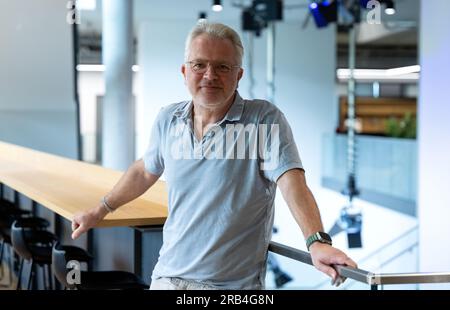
(8, 214)
(34, 245)
(91, 280)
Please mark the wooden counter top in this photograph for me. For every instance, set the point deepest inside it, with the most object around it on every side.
(68, 186)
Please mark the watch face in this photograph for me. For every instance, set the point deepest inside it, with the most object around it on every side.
(324, 236)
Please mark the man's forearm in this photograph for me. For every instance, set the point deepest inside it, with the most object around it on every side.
(301, 201)
(135, 181)
(304, 208)
(306, 212)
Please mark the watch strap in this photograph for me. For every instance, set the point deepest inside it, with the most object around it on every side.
(318, 237)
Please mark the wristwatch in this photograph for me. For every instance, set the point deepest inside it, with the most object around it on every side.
(319, 236)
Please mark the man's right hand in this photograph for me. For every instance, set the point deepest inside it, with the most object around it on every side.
(84, 221)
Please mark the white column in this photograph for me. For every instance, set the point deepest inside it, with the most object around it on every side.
(118, 118)
(434, 137)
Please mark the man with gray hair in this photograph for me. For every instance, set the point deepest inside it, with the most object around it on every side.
(223, 158)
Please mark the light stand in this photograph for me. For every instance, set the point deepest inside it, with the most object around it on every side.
(350, 219)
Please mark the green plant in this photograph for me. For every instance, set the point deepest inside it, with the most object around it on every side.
(401, 128)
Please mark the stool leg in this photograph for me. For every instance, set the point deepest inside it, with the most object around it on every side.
(1, 260)
(44, 277)
(30, 275)
(19, 276)
(6, 255)
(50, 277)
(11, 264)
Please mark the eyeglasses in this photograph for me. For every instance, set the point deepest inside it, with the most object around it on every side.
(200, 66)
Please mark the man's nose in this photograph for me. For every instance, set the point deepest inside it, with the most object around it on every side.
(210, 72)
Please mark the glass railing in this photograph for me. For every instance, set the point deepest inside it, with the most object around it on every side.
(386, 169)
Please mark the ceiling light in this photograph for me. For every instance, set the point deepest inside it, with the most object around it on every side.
(390, 8)
(202, 16)
(410, 73)
(88, 5)
(403, 70)
(217, 6)
(99, 68)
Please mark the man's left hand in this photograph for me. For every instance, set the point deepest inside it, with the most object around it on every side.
(325, 256)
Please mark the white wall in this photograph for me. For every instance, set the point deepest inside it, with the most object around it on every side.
(160, 55)
(91, 85)
(37, 107)
(305, 89)
(305, 71)
(434, 137)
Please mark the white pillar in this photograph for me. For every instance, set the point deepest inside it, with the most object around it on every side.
(118, 119)
(434, 137)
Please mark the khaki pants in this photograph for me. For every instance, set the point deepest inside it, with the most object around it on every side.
(178, 284)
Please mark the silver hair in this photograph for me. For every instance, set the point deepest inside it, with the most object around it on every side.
(215, 30)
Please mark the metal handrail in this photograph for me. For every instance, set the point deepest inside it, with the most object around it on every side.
(361, 275)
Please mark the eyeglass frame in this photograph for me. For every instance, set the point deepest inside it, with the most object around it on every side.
(214, 66)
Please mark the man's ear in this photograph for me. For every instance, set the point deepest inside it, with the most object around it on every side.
(183, 70)
(240, 74)
(239, 77)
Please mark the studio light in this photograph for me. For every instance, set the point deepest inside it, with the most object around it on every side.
(364, 3)
(324, 12)
(257, 17)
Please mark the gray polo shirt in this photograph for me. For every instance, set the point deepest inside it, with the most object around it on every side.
(221, 191)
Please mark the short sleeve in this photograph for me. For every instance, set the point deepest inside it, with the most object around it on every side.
(279, 151)
(153, 157)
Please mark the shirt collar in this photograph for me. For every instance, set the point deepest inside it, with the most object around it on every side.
(184, 111)
(236, 109)
(233, 114)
